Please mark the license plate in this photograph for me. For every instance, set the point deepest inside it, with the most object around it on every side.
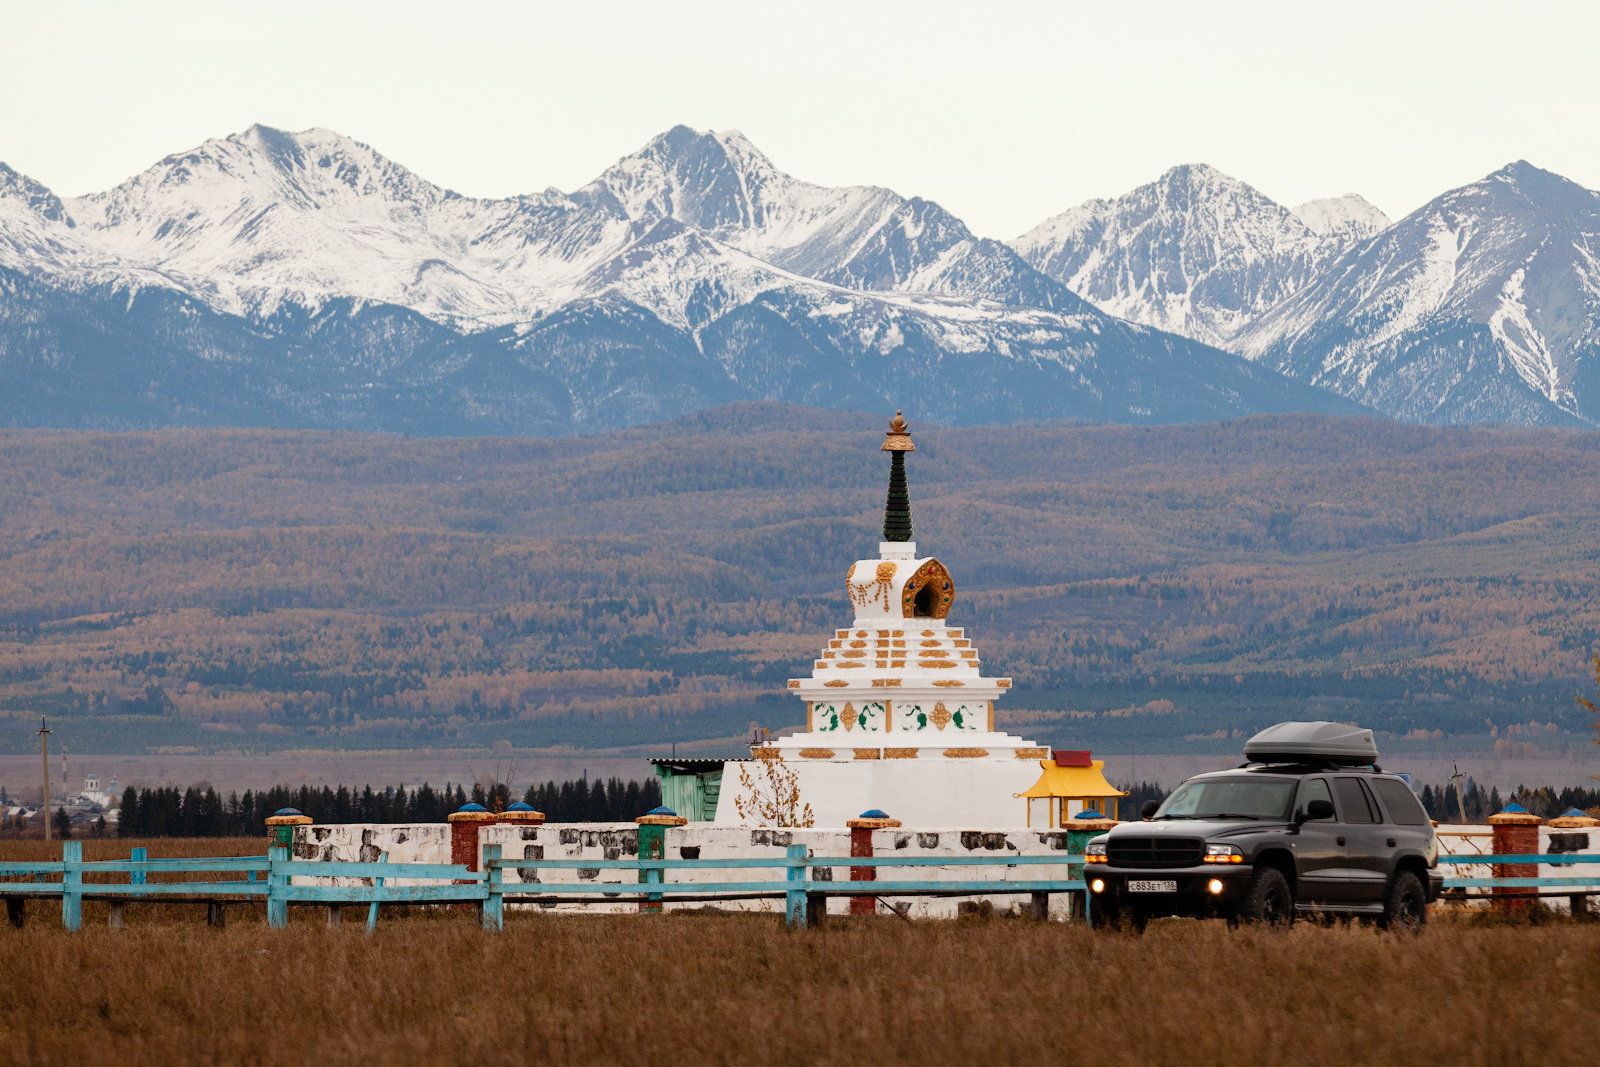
(1153, 887)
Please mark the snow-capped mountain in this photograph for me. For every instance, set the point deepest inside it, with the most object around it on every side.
(1347, 219)
(1196, 252)
(1481, 306)
(859, 237)
(305, 279)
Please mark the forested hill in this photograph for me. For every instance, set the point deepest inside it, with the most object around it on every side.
(1164, 587)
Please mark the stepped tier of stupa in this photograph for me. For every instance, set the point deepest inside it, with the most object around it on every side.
(899, 715)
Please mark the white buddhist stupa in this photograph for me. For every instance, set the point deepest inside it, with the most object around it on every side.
(899, 715)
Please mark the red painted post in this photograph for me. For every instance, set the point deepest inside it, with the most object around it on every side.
(1516, 832)
(861, 845)
(464, 827)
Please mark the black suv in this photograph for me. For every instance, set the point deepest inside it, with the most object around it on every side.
(1260, 843)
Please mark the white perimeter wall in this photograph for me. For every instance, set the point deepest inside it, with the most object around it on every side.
(430, 843)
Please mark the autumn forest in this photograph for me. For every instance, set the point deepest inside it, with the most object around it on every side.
(251, 590)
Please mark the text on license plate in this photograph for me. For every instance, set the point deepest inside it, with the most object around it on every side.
(1167, 886)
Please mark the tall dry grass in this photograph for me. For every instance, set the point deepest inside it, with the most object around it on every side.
(723, 989)
(26, 850)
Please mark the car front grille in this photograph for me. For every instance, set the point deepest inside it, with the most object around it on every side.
(1155, 851)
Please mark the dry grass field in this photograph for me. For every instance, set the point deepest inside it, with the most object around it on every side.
(741, 989)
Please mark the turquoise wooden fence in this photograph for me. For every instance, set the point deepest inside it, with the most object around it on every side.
(270, 879)
(1568, 883)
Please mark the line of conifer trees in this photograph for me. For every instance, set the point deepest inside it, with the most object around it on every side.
(1441, 803)
(170, 812)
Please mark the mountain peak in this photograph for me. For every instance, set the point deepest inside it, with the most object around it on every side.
(1350, 217)
(1520, 168)
(707, 180)
(17, 186)
(1543, 190)
(1196, 252)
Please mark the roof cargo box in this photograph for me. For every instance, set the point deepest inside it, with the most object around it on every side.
(1302, 742)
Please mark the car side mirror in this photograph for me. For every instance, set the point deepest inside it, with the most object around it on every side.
(1318, 809)
(1148, 809)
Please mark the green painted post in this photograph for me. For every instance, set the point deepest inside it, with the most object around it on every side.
(494, 906)
(71, 884)
(795, 897)
(281, 824)
(653, 846)
(372, 911)
(1080, 832)
(277, 888)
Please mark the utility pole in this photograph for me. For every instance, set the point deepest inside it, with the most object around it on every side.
(1456, 778)
(44, 763)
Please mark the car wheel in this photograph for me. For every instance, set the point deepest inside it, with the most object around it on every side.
(1405, 905)
(1267, 900)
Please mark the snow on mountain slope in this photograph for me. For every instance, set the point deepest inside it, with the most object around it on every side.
(1195, 252)
(35, 232)
(305, 279)
(1348, 218)
(861, 237)
(1481, 306)
(262, 217)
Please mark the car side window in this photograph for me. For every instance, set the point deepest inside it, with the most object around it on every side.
(1314, 789)
(1402, 803)
(1353, 806)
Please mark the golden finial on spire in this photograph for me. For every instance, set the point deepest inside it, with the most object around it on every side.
(898, 437)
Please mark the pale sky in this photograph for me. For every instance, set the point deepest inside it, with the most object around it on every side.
(1005, 113)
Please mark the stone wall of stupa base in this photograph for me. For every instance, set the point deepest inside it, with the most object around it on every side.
(430, 843)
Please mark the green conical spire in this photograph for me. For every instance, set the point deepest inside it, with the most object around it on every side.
(897, 510)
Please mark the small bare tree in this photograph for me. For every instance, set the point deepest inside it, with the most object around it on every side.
(771, 794)
(1594, 710)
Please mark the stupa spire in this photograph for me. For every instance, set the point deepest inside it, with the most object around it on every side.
(897, 509)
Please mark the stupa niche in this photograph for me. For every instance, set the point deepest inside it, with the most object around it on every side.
(899, 714)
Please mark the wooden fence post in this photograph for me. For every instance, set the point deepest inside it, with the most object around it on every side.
(71, 885)
(116, 911)
(277, 888)
(861, 829)
(795, 897)
(653, 846)
(494, 905)
(372, 909)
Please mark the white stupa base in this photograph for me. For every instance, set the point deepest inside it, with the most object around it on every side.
(974, 793)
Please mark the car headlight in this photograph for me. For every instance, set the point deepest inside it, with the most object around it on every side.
(1223, 854)
(1094, 852)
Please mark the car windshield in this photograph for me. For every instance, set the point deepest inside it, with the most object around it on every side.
(1215, 798)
